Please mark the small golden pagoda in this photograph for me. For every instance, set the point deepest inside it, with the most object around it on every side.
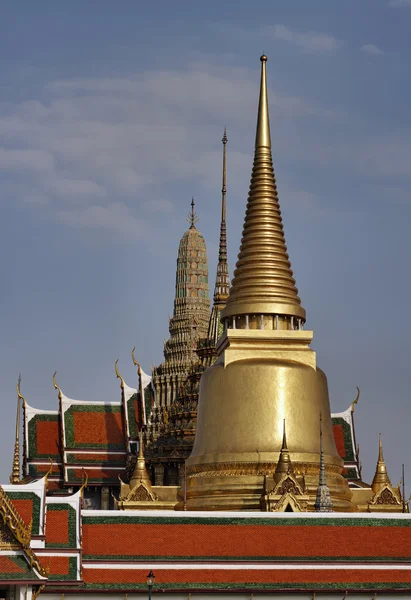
(383, 497)
(139, 493)
(265, 372)
(288, 493)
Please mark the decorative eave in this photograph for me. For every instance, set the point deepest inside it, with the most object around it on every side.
(21, 532)
(26, 491)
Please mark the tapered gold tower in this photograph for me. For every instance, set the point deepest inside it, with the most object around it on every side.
(266, 371)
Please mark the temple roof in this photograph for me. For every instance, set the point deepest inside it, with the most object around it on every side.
(344, 436)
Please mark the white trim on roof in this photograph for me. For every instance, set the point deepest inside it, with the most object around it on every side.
(244, 564)
(242, 515)
(346, 415)
(67, 402)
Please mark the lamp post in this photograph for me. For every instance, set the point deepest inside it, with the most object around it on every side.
(150, 582)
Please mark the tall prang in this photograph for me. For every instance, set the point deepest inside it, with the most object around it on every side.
(265, 371)
(190, 317)
(177, 425)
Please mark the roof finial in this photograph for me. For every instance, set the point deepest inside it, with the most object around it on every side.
(263, 279)
(118, 375)
(192, 217)
(57, 387)
(141, 389)
(323, 500)
(15, 474)
(356, 399)
(381, 476)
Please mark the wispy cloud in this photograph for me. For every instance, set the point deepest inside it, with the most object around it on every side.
(115, 218)
(310, 41)
(93, 150)
(371, 50)
(397, 3)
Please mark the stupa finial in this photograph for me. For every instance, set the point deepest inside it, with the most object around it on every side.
(263, 281)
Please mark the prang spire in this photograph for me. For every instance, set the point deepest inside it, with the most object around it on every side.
(222, 282)
(192, 216)
(263, 281)
(323, 500)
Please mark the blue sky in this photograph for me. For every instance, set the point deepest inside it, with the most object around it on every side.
(111, 118)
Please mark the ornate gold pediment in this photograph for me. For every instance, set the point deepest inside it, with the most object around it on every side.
(288, 495)
(386, 496)
(141, 493)
(288, 484)
(289, 503)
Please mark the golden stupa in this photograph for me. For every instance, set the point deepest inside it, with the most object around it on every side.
(266, 373)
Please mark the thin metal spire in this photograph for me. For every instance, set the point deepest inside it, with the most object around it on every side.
(222, 284)
(15, 474)
(323, 500)
(263, 280)
(192, 216)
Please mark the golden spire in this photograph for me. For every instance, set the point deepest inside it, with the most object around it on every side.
(284, 465)
(381, 476)
(15, 475)
(140, 470)
(263, 280)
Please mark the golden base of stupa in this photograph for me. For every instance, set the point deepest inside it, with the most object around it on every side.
(262, 379)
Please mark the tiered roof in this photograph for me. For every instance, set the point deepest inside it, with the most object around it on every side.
(51, 551)
(96, 436)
